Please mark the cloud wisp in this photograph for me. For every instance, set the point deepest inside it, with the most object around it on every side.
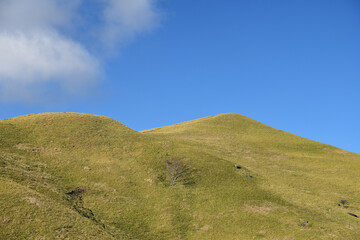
(125, 19)
(39, 57)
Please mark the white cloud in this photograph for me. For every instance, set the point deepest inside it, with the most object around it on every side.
(37, 53)
(43, 58)
(124, 19)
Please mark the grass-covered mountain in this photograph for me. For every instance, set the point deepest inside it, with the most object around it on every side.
(81, 176)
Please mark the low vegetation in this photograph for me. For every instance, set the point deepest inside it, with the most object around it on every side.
(81, 176)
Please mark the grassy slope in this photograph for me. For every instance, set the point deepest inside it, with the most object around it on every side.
(311, 176)
(45, 156)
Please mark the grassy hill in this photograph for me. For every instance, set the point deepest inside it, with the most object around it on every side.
(81, 176)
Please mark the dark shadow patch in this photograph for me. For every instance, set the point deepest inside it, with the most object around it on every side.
(343, 203)
(304, 223)
(75, 198)
(352, 214)
(76, 192)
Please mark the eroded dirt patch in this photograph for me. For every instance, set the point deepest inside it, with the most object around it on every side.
(206, 227)
(35, 149)
(284, 238)
(4, 219)
(260, 209)
(149, 180)
(34, 201)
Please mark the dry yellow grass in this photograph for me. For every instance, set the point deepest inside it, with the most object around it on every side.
(80, 176)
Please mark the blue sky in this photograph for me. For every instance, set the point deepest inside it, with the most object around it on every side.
(293, 65)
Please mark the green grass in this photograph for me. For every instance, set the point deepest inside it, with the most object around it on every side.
(44, 157)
